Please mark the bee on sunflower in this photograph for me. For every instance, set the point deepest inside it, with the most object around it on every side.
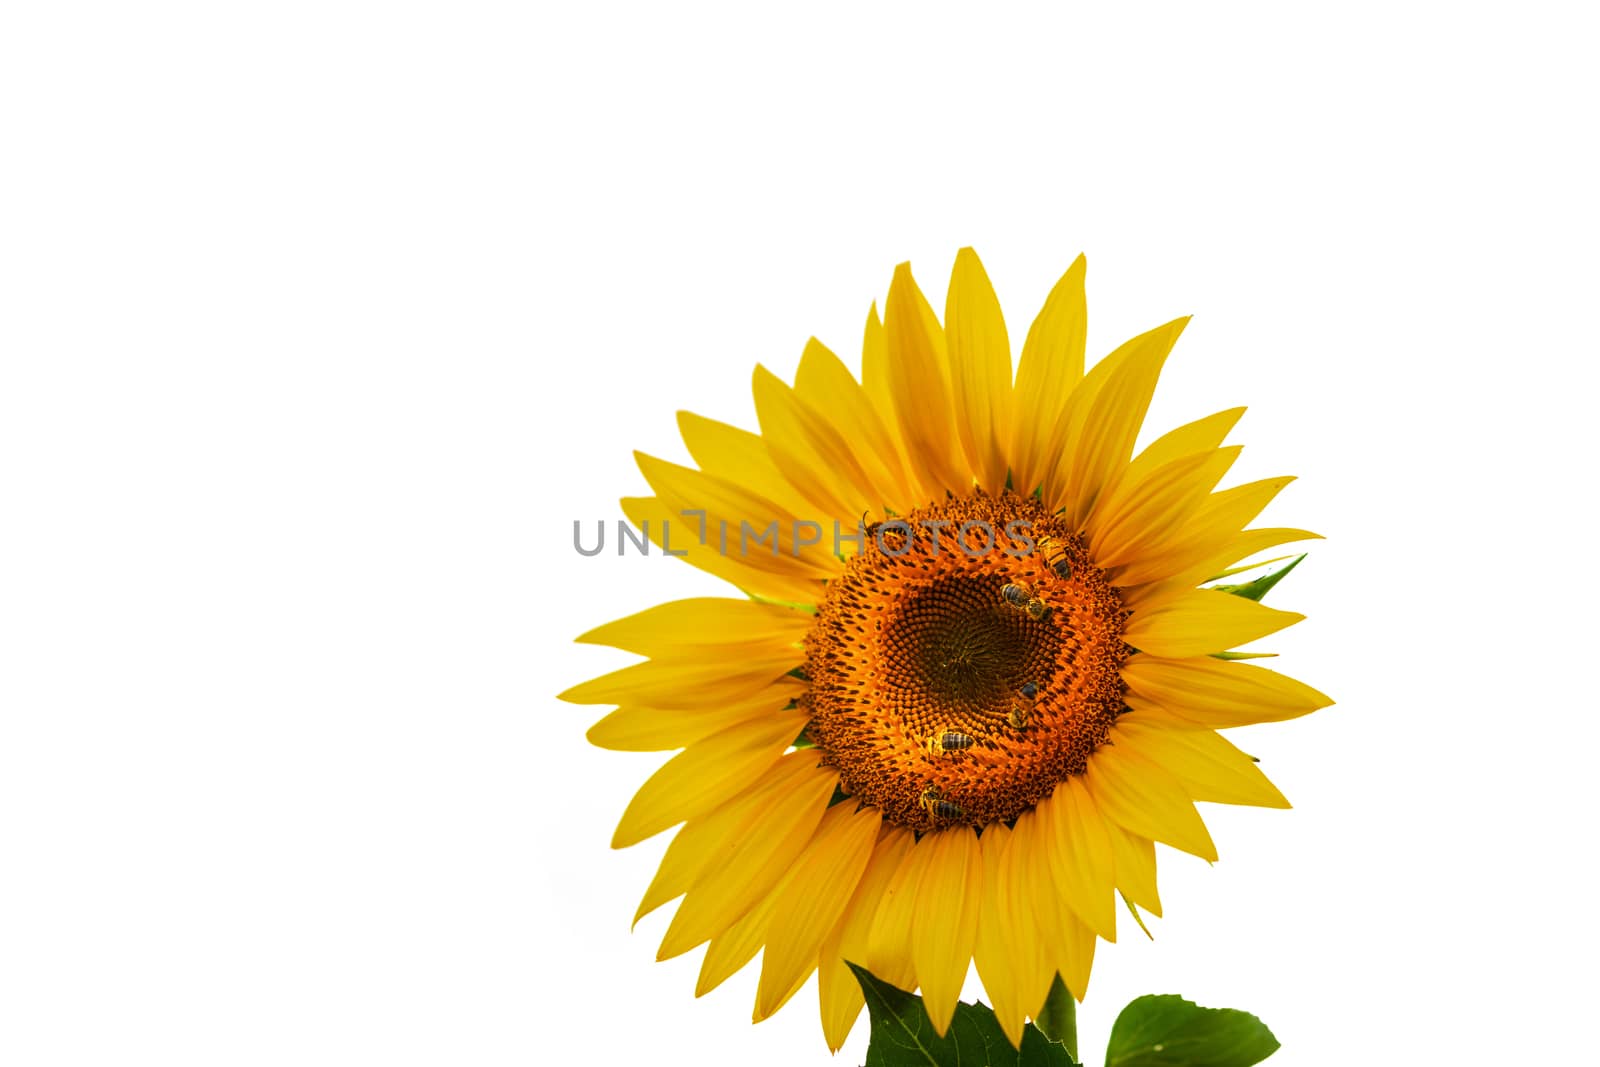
(913, 755)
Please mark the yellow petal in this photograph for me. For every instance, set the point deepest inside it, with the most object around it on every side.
(737, 521)
(1043, 913)
(875, 369)
(740, 457)
(1208, 530)
(1145, 799)
(1080, 855)
(889, 940)
(1010, 949)
(1098, 450)
(810, 452)
(753, 863)
(700, 845)
(980, 370)
(707, 774)
(1204, 621)
(1135, 861)
(838, 993)
(683, 683)
(1048, 370)
(1140, 515)
(945, 922)
(1152, 595)
(825, 383)
(691, 626)
(1035, 968)
(736, 946)
(1220, 693)
(820, 886)
(641, 729)
(1201, 435)
(1061, 934)
(995, 950)
(1209, 767)
(1066, 437)
(1252, 565)
(637, 728)
(677, 535)
(1078, 957)
(920, 384)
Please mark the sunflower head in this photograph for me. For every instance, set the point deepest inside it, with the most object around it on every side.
(962, 678)
(977, 672)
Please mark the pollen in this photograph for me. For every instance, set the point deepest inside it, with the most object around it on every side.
(966, 663)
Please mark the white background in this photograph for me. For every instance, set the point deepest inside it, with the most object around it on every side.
(322, 322)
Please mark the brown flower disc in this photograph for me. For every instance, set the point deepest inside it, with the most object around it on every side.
(920, 665)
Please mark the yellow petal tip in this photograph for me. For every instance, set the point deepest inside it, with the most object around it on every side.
(670, 948)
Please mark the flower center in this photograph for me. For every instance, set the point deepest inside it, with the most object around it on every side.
(966, 663)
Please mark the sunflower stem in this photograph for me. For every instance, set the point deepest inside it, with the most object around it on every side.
(1058, 1019)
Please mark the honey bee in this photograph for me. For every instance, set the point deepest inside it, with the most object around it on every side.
(1055, 554)
(949, 741)
(1022, 711)
(937, 806)
(1021, 597)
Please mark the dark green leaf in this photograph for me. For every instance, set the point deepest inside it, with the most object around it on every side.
(1257, 589)
(903, 1035)
(1058, 1019)
(1169, 1031)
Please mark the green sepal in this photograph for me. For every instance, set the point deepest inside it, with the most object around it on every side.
(1255, 590)
(903, 1035)
(1134, 910)
(1241, 568)
(1244, 655)
(793, 605)
(1168, 1031)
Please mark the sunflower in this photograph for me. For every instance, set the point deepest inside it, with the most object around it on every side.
(975, 675)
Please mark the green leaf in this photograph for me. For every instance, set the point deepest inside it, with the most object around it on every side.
(1257, 589)
(903, 1035)
(1058, 1019)
(1169, 1031)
